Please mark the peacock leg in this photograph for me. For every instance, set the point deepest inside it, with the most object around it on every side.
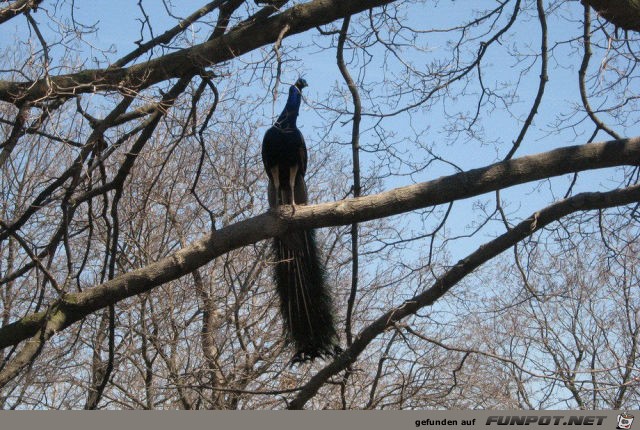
(293, 172)
(275, 174)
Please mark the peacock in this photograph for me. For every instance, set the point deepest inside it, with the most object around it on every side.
(306, 303)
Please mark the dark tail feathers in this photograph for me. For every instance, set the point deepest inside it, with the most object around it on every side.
(305, 299)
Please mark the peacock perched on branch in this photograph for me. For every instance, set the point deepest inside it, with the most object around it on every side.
(305, 300)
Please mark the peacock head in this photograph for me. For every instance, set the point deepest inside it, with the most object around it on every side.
(301, 83)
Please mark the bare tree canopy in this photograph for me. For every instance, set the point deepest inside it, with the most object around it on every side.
(472, 178)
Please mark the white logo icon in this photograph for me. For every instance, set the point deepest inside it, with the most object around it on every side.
(624, 421)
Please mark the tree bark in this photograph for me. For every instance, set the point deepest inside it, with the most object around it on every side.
(16, 8)
(621, 13)
(540, 219)
(240, 40)
(74, 307)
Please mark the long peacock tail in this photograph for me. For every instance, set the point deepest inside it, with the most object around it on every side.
(305, 299)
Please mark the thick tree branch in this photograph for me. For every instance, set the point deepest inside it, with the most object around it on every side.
(621, 13)
(16, 8)
(167, 35)
(540, 219)
(74, 307)
(240, 40)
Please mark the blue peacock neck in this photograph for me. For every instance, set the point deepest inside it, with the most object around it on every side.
(289, 115)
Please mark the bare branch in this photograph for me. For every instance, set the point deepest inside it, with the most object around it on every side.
(236, 42)
(74, 307)
(538, 220)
